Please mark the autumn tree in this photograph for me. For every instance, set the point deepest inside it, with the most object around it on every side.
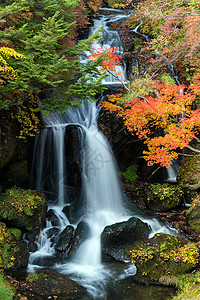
(174, 30)
(166, 122)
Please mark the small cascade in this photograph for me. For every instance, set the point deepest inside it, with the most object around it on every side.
(110, 39)
(172, 172)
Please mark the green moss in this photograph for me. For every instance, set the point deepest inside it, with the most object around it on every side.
(166, 255)
(16, 232)
(35, 277)
(7, 291)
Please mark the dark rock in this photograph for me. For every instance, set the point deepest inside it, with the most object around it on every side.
(51, 216)
(32, 247)
(65, 239)
(47, 284)
(117, 237)
(53, 234)
(162, 256)
(22, 256)
(82, 232)
(193, 215)
(8, 141)
(45, 261)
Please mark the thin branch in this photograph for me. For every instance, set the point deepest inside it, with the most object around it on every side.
(193, 149)
(118, 79)
(154, 172)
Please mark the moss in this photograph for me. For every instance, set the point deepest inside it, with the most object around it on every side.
(8, 248)
(162, 256)
(35, 277)
(16, 232)
(163, 196)
(7, 291)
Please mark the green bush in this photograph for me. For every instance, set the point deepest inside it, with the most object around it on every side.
(131, 173)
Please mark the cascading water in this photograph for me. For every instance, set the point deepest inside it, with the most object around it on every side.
(100, 196)
(110, 39)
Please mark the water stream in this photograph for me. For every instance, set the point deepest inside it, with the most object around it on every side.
(100, 197)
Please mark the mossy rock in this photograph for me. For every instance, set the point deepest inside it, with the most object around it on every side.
(13, 253)
(193, 215)
(52, 285)
(188, 176)
(163, 197)
(23, 208)
(163, 255)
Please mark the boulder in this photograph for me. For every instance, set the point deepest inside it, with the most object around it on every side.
(24, 209)
(82, 233)
(163, 197)
(51, 285)
(163, 256)
(65, 239)
(51, 216)
(193, 215)
(117, 237)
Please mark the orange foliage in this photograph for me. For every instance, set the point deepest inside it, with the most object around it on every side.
(170, 113)
(109, 59)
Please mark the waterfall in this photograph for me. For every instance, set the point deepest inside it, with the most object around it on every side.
(100, 199)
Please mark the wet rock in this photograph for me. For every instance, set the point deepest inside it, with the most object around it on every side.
(45, 261)
(193, 215)
(82, 233)
(163, 256)
(50, 285)
(117, 237)
(53, 233)
(163, 197)
(51, 216)
(65, 239)
(32, 247)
